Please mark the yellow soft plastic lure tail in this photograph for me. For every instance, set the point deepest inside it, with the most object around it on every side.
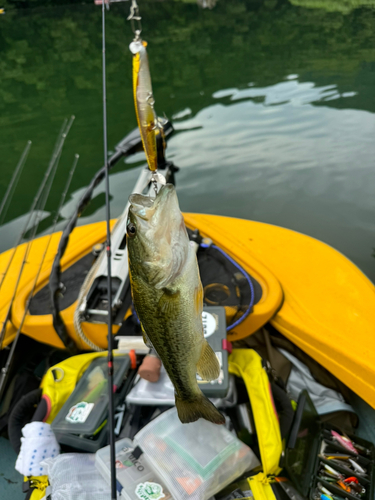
(144, 101)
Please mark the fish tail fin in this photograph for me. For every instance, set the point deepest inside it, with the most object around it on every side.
(189, 410)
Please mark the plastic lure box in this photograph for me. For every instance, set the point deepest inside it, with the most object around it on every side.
(81, 421)
(310, 442)
(135, 479)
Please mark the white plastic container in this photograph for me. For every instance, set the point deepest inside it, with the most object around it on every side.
(153, 393)
(135, 478)
(161, 393)
(195, 460)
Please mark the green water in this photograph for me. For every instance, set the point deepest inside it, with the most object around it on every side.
(272, 101)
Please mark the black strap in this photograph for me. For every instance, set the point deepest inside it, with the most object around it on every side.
(22, 414)
(129, 145)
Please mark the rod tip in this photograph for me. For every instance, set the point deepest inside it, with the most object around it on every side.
(76, 155)
(29, 142)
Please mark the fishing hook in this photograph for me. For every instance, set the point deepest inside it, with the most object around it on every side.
(155, 182)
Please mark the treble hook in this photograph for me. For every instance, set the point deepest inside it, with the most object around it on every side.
(134, 16)
(155, 182)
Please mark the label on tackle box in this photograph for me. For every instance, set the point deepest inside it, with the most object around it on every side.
(149, 491)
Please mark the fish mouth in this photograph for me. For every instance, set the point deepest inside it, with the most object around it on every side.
(161, 244)
(145, 207)
(141, 206)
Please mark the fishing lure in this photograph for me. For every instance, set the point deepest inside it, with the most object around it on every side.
(362, 449)
(351, 480)
(342, 463)
(332, 472)
(344, 486)
(328, 478)
(357, 467)
(144, 101)
(355, 485)
(344, 441)
(328, 496)
(325, 497)
(324, 490)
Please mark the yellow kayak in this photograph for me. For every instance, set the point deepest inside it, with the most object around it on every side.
(328, 307)
(310, 293)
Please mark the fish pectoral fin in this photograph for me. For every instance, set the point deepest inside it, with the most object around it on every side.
(146, 340)
(208, 366)
(169, 302)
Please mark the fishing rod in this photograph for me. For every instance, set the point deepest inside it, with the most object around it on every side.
(57, 150)
(5, 370)
(111, 412)
(51, 169)
(13, 183)
(34, 227)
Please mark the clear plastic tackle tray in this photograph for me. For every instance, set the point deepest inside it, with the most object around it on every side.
(194, 460)
(135, 478)
(86, 408)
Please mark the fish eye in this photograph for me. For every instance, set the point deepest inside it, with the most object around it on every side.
(131, 230)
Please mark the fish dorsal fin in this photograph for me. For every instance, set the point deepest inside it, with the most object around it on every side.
(208, 366)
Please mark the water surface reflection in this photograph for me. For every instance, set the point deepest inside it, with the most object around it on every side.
(273, 106)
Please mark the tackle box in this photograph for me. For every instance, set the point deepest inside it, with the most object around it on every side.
(134, 477)
(215, 332)
(301, 461)
(194, 460)
(81, 422)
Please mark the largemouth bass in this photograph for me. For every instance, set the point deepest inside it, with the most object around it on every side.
(168, 298)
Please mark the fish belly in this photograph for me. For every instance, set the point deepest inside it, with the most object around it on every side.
(175, 331)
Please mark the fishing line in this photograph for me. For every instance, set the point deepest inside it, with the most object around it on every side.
(111, 412)
(51, 170)
(5, 369)
(13, 183)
